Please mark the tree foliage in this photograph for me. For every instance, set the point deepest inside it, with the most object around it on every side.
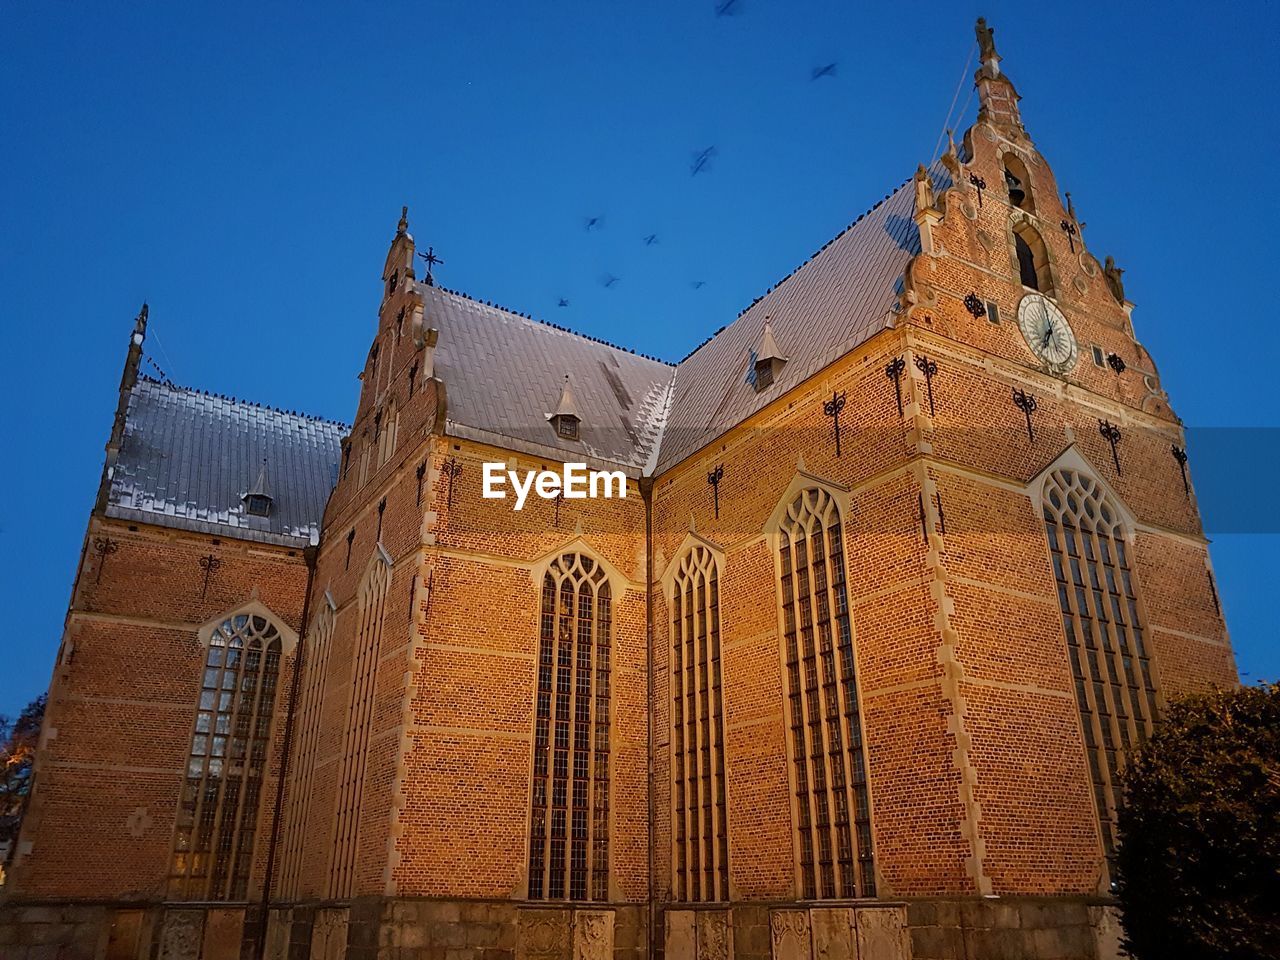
(1198, 865)
(18, 739)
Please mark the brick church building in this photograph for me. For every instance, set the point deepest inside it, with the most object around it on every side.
(908, 561)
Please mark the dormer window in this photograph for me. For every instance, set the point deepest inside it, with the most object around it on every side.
(767, 359)
(565, 420)
(257, 501)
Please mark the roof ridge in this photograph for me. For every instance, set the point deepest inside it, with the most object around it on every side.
(804, 263)
(146, 378)
(555, 326)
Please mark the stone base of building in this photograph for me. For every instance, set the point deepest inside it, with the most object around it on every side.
(381, 928)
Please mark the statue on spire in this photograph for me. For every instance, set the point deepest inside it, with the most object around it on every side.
(986, 41)
(403, 225)
(924, 189)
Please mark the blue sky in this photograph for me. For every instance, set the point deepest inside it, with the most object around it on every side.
(242, 167)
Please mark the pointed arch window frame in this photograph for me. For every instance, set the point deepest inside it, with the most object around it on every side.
(866, 871)
(599, 871)
(353, 763)
(314, 691)
(211, 708)
(700, 612)
(1102, 791)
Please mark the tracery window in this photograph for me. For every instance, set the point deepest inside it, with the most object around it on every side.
(701, 867)
(832, 801)
(219, 808)
(1110, 663)
(569, 822)
(315, 670)
(355, 754)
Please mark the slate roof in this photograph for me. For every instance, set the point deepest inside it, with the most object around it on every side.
(187, 458)
(504, 373)
(841, 297)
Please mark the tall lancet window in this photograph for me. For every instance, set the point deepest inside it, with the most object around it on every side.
(832, 801)
(219, 807)
(314, 664)
(1110, 662)
(360, 720)
(569, 823)
(701, 853)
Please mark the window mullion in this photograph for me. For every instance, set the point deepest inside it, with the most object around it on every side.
(842, 719)
(715, 682)
(693, 791)
(824, 754)
(804, 745)
(589, 797)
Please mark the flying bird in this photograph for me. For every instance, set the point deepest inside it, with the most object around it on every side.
(828, 71)
(701, 160)
(728, 8)
(699, 284)
(563, 302)
(608, 280)
(593, 223)
(650, 240)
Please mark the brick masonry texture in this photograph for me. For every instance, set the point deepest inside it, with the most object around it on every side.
(405, 817)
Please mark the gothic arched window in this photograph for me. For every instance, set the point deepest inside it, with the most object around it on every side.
(569, 823)
(1033, 259)
(1110, 663)
(832, 801)
(355, 754)
(315, 671)
(701, 851)
(221, 796)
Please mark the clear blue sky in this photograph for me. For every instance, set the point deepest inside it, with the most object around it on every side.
(242, 167)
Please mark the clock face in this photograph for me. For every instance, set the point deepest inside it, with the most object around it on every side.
(1047, 333)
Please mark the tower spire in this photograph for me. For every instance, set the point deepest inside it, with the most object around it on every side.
(997, 98)
(128, 380)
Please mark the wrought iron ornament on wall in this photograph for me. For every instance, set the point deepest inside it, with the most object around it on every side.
(103, 547)
(1180, 455)
(1025, 402)
(832, 409)
(973, 303)
(714, 478)
(929, 368)
(208, 563)
(1111, 433)
(451, 469)
(894, 372)
(979, 184)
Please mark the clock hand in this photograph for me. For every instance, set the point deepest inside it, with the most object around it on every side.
(1048, 334)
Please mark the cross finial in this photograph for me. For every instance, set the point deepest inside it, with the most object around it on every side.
(431, 260)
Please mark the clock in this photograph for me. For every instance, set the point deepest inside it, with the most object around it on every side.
(1047, 333)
